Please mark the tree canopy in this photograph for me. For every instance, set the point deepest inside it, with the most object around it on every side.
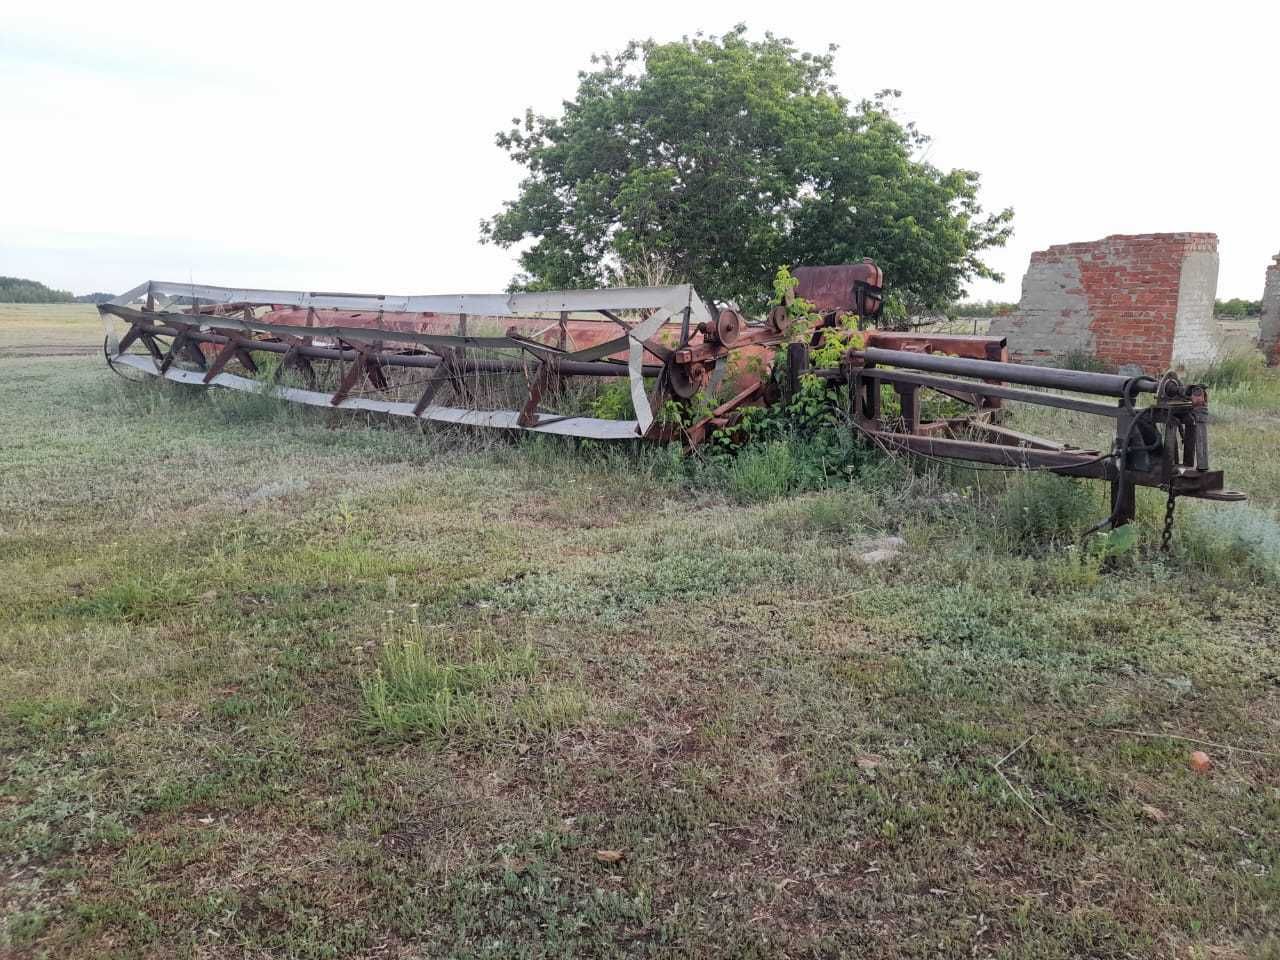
(18, 290)
(713, 160)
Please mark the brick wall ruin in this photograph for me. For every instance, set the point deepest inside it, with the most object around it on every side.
(1131, 301)
(1269, 330)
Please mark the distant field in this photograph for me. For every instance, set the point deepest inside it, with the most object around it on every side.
(290, 683)
(29, 329)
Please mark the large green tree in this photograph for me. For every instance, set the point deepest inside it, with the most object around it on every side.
(713, 160)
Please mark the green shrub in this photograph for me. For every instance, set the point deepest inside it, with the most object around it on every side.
(614, 402)
(1043, 510)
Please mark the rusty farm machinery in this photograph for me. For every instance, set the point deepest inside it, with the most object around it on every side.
(523, 361)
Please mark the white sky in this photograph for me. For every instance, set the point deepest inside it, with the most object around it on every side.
(350, 146)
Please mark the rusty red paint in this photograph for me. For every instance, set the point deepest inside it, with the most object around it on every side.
(846, 288)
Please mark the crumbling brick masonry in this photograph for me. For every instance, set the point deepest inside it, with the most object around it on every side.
(1131, 301)
(1269, 330)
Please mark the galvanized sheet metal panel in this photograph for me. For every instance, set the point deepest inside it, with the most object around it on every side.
(484, 304)
(590, 427)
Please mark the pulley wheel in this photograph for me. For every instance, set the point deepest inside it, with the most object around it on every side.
(728, 327)
(686, 380)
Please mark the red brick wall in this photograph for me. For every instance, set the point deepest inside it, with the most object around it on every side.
(1128, 292)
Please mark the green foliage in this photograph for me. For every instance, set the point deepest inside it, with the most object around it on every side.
(1042, 510)
(1229, 372)
(710, 159)
(23, 928)
(764, 472)
(1083, 360)
(614, 402)
(981, 308)
(17, 290)
(1118, 542)
(789, 448)
(836, 341)
(801, 445)
(1237, 309)
(784, 285)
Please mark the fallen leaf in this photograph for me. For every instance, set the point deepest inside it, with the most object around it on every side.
(1154, 814)
(610, 856)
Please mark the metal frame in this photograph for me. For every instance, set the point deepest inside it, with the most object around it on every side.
(1164, 444)
(190, 315)
(192, 333)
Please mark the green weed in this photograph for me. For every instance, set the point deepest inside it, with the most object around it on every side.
(1043, 510)
(424, 686)
(1228, 372)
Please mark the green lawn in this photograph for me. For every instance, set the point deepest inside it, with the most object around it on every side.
(278, 682)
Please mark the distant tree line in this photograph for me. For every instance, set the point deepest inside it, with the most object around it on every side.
(984, 308)
(1237, 309)
(18, 290)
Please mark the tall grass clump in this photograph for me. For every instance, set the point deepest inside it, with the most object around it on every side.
(1235, 540)
(1228, 372)
(763, 472)
(418, 687)
(425, 687)
(1043, 510)
(1240, 381)
(1085, 361)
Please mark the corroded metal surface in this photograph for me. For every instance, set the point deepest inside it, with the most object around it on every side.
(664, 344)
(846, 288)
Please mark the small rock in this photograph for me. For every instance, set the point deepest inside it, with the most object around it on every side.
(877, 551)
(1154, 814)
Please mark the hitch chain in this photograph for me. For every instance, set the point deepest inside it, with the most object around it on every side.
(1166, 535)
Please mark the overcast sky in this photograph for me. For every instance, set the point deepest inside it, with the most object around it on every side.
(350, 147)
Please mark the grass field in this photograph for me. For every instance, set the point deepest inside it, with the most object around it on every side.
(281, 683)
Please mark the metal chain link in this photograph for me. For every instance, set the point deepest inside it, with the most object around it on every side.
(1166, 535)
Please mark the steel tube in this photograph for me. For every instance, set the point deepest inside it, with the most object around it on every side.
(1081, 381)
(989, 390)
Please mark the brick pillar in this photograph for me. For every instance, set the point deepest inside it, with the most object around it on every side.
(1269, 329)
(1133, 301)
